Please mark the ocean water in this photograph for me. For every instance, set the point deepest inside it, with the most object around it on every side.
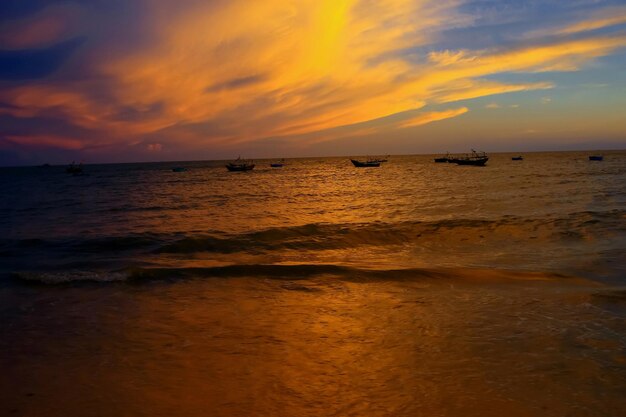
(316, 289)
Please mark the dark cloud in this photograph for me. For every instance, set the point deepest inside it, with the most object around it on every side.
(236, 83)
(23, 126)
(18, 9)
(31, 64)
(15, 9)
(128, 113)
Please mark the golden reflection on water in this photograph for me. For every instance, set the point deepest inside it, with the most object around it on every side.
(235, 347)
(554, 212)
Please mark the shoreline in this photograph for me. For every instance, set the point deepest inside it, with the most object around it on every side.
(318, 346)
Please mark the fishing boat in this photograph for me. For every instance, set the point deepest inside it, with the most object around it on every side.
(369, 163)
(74, 168)
(596, 157)
(379, 159)
(443, 158)
(517, 158)
(278, 164)
(475, 159)
(240, 165)
(179, 169)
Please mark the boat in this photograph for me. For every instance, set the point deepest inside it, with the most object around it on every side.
(74, 168)
(379, 159)
(517, 158)
(240, 165)
(475, 159)
(365, 164)
(278, 164)
(443, 158)
(596, 157)
(179, 169)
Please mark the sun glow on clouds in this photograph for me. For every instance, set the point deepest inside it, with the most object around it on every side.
(309, 66)
(430, 117)
(221, 73)
(317, 65)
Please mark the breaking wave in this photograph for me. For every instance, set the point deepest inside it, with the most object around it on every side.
(576, 226)
(281, 272)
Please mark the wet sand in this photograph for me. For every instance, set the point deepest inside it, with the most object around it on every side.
(474, 343)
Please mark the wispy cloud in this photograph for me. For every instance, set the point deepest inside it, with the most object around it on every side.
(605, 18)
(429, 117)
(240, 71)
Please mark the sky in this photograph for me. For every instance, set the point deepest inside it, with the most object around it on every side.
(157, 80)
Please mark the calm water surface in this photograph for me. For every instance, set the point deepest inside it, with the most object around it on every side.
(413, 289)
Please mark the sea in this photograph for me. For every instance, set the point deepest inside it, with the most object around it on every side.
(317, 289)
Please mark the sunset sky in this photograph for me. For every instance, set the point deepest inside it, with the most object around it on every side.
(152, 80)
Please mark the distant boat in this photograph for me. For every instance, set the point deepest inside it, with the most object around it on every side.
(517, 158)
(240, 165)
(379, 159)
(596, 157)
(365, 164)
(179, 169)
(74, 168)
(443, 158)
(475, 159)
(278, 164)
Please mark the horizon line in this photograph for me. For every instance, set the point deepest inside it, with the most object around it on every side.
(306, 157)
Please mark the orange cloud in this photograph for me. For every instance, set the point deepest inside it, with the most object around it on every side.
(377, 126)
(320, 65)
(253, 70)
(434, 116)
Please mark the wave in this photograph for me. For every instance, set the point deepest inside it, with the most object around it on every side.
(580, 226)
(286, 272)
(576, 226)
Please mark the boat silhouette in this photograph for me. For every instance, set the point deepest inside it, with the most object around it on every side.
(278, 164)
(369, 163)
(74, 168)
(240, 165)
(475, 159)
(443, 158)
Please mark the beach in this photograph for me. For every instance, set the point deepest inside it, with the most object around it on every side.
(425, 344)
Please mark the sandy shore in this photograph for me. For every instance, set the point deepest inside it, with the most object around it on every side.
(477, 344)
